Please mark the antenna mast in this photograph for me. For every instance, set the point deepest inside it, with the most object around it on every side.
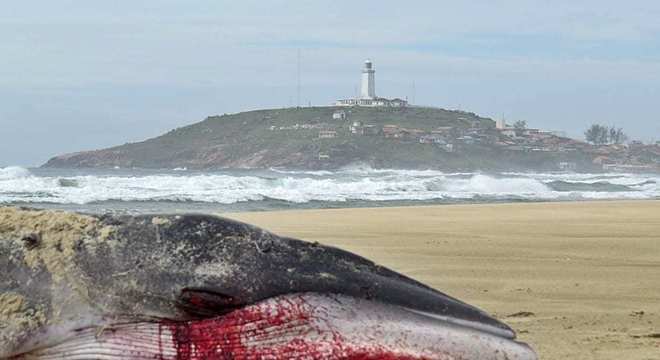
(298, 82)
(413, 92)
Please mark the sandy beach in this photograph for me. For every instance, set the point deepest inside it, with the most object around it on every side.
(577, 280)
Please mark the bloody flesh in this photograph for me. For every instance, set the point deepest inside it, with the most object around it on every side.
(294, 326)
(257, 332)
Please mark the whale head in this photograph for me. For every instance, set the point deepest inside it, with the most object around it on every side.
(199, 287)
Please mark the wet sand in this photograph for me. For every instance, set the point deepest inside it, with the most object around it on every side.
(576, 280)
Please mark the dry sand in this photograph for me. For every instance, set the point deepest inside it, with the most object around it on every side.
(587, 273)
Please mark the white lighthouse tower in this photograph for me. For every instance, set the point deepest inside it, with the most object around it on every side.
(368, 92)
(368, 89)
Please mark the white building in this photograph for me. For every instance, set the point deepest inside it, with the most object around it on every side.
(339, 115)
(368, 92)
(509, 132)
(327, 134)
(368, 89)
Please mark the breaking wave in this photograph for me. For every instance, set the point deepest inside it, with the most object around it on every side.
(13, 172)
(357, 183)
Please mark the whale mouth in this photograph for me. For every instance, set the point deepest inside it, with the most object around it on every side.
(293, 326)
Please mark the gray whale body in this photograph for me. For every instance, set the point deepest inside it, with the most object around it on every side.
(200, 286)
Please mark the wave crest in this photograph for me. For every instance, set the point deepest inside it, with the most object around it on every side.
(19, 185)
(14, 172)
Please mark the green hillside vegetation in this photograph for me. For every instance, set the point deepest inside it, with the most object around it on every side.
(290, 138)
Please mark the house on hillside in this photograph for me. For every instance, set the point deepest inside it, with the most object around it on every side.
(364, 129)
(327, 134)
(339, 115)
(432, 139)
(391, 131)
(444, 130)
(370, 130)
(603, 160)
(356, 128)
(508, 132)
(467, 139)
(567, 166)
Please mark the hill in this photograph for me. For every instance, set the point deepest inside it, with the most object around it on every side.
(312, 138)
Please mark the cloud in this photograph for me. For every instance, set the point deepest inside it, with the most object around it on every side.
(143, 67)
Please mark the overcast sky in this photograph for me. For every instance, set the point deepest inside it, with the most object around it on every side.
(77, 75)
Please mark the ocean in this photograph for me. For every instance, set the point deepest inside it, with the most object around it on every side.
(137, 191)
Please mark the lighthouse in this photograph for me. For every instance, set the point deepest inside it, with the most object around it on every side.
(368, 89)
(367, 95)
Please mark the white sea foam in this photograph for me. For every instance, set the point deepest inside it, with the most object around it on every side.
(19, 185)
(13, 172)
(302, 172)
(483, 184)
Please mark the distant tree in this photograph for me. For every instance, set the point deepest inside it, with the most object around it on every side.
(597, 134)
(519, 126)
(603, 136)
(617, 136)
(591, 134)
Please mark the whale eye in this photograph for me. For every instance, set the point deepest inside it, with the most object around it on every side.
(203, 303)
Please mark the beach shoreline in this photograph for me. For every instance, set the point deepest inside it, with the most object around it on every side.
(576, 280)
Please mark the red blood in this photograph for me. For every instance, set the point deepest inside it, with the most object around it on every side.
(275, 330)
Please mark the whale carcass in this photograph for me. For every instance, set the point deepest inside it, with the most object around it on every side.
(75, 286)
